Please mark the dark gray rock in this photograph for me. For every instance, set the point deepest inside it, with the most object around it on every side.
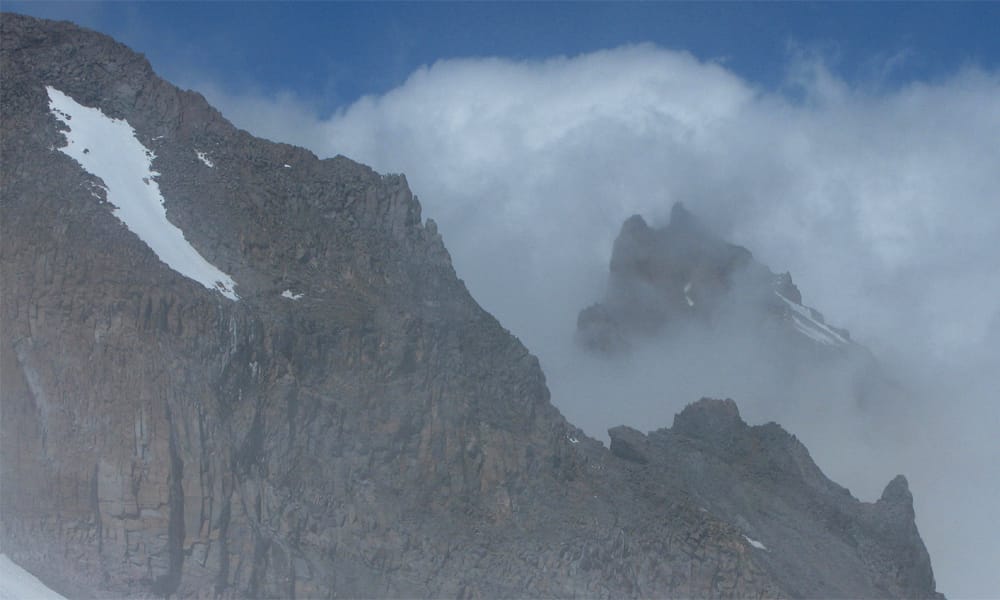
(382, 436)
(714, 421)
(629, 444)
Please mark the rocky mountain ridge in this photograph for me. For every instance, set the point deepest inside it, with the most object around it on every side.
(348, 422)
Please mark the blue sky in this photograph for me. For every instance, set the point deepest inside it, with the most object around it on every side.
(332, 53)
(854, 145)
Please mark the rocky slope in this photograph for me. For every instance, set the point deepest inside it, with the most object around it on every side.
(330, 413)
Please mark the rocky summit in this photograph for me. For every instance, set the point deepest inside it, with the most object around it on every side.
(662, 279)
(683, 283)
(232, 369)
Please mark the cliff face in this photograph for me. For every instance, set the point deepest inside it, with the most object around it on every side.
(329, 412)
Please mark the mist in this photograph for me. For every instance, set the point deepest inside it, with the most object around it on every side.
(882, 201)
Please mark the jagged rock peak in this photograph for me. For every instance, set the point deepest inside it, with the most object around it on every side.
(896, 500)
(635, 224)
(680, 213)
(629, 444)
(708, 419)
(683, 220)
(710, 439)
(663, 279)
(897, 491)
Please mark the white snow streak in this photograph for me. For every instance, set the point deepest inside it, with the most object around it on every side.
(803, 320)
(290, 295)
(687, 289)
(755, 543)
(108, 148)
(204, 158)
(18, 584)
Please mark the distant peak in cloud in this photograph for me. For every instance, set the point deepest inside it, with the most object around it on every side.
(684, 222)
(678, 212)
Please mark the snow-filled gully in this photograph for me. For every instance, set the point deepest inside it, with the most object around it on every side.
(108, 148)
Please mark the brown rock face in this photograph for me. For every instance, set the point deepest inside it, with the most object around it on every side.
(381, 435)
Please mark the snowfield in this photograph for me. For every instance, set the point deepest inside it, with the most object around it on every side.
(18, 584)
(755, 543)
(108, 148)
(803, 320)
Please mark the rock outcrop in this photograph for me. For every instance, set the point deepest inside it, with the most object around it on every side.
(345, 420)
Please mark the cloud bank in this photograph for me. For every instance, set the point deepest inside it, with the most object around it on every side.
(884, 203)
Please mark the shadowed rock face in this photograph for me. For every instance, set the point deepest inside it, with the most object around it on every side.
(355, 424)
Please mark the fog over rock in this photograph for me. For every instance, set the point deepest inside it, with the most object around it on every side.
(683, 275)
(880, 198)
(683, 286)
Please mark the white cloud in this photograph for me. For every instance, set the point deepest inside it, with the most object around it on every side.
(874, 189)
(281, 116)
(884, 204)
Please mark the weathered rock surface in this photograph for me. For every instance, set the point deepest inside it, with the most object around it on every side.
(381, 435)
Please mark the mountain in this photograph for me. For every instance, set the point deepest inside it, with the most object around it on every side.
(683, 273)
(683, 282)
(233, 369)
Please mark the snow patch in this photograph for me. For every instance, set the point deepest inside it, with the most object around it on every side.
(18, 584)
(808, 325)
(687, 289)
(755, 543)
(204, 158)
(108, 148)
(95, 189)
(290, 295)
